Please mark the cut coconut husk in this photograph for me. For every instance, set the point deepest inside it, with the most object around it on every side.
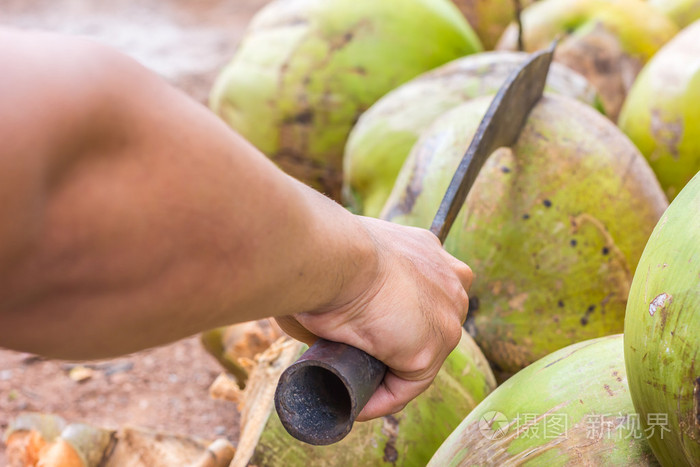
(552, 229)
(662, 333)
(661, 114)
(307, 69)
(682, 12)
(407, 438)
(380, 142)
(489, 18)
(29, 434)
(137, 447)
(607, 41)
(572, 407)
(44, 440)
(236, 346)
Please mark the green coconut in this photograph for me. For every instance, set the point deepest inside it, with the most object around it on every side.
(607, 41)
(572, 407)
(552, 229)
(307, 69)
(408, 438)
(662, 112)
(662, 333)
(380, 142)
(489, 18)
(682, 12)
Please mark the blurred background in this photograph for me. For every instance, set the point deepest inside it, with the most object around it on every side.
(186, 42)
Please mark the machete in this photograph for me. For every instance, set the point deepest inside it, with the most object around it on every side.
(320, 395)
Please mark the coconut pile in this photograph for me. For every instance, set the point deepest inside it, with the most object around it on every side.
(581, 342)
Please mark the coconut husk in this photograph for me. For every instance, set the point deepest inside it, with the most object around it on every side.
(45, 440)
(236, 346)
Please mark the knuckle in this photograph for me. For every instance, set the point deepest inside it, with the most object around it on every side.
(460, 299)
(453, 334)
(463, 302)
(459, 292)
(429, 236)
(422, 361)
(464, 271)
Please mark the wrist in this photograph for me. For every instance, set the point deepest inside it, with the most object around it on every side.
(349, 250)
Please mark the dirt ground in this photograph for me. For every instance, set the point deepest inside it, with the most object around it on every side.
(187, 42)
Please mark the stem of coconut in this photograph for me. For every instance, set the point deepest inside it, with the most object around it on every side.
(519, 21)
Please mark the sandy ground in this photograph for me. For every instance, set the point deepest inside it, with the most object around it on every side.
(187, 42)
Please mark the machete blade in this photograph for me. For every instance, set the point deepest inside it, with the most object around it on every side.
(501, 126)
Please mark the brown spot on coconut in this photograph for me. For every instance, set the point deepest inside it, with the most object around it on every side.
(696, 402)
(602, 194)
(380, 142)
(306, 70)
(607, 41)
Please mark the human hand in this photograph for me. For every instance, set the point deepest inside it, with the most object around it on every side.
(406, 309)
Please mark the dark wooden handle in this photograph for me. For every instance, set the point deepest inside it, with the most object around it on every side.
(319, 397)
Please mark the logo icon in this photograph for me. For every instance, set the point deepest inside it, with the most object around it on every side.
(493, 425)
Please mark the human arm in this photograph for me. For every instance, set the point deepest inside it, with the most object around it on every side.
(130, 216)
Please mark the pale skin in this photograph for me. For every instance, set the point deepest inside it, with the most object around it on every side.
(131, 216)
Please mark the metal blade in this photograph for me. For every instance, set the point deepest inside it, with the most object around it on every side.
(500, 127)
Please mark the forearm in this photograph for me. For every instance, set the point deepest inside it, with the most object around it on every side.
(165, 225)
